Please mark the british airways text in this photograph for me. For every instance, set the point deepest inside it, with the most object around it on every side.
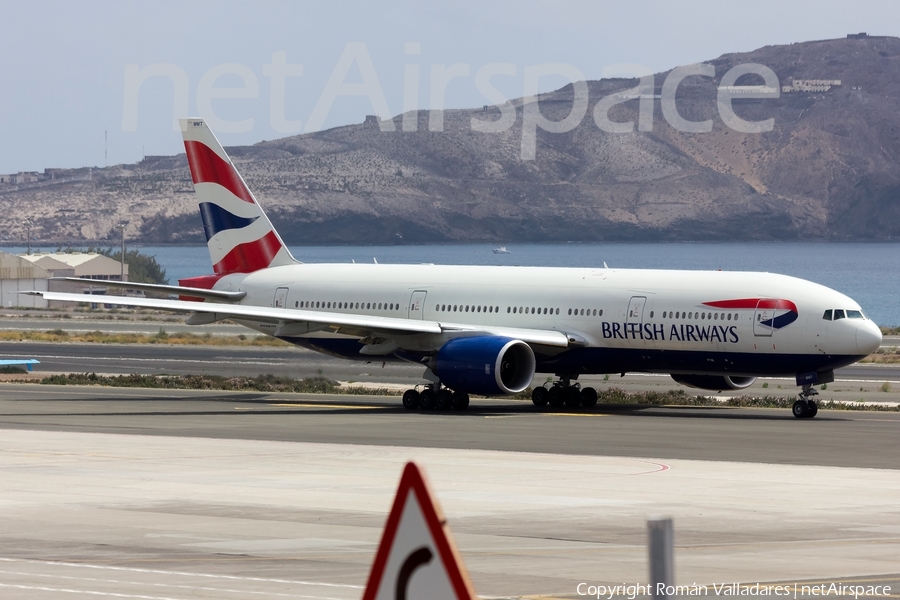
(684, 332)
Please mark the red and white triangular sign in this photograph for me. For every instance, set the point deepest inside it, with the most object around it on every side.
(417, 558)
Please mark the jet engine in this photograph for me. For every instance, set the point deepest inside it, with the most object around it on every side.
(485, 365)
(714, 382)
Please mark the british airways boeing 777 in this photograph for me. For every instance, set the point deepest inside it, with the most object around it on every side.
(489, 330)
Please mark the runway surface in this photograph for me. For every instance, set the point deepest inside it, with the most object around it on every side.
(833, 438)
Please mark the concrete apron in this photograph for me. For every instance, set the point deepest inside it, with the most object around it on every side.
(174, 517)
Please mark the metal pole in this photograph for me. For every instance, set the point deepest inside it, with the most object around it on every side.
(662, 571)
(122, 276)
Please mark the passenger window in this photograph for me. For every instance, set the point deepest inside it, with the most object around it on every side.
(827, 316)
(854, 314)
(838, 313)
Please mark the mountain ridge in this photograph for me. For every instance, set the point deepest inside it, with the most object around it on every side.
(827, 170)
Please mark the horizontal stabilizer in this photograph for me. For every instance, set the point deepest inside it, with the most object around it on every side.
(28, 362)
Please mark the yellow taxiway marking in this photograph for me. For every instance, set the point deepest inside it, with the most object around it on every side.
(306, 405)
(574, 415)
(545, 415)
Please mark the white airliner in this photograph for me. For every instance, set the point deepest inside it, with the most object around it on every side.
(488, 330)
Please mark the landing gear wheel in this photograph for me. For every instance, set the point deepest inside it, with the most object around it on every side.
(411, 399)
(588, 397)
(800, 409)
(539, 396)
(444, 400)
(460, 401)
(554, 396)
(813, 409)
(426, 399)
(571, 397)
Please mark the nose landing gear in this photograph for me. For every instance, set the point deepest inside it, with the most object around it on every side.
(805, 407)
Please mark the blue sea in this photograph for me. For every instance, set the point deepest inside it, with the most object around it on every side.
(867, 272)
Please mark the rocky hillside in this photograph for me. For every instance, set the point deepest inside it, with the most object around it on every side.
(830, 169)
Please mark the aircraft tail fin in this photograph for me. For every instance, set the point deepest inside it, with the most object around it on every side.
(239, 235)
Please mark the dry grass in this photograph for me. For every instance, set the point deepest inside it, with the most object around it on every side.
(886, 355)
(100, 337)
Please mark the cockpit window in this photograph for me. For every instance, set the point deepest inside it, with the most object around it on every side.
(827, 315)
(838, 314)
(854, 314)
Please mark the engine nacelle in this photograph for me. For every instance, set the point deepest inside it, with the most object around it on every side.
(714, 382)
(485, 365)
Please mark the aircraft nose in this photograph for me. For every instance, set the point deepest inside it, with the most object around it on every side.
(868, 337)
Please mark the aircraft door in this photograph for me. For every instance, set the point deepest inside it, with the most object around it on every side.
(417, 305)
(280, 297)
(636, 309)
(762, 318)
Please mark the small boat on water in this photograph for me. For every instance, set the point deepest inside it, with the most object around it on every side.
(501, 250)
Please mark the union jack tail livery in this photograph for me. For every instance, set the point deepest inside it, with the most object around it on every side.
(240, 237)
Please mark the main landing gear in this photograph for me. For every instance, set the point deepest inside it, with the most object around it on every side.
(805, 407)
(435, 396)
(564, 392)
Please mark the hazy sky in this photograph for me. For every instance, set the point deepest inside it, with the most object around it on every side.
(65, 70)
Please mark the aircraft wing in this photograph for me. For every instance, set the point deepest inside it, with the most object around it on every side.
(352, 324)
(181, 290)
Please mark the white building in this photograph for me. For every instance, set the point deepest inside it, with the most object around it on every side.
(88, 265)
(20, 275)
